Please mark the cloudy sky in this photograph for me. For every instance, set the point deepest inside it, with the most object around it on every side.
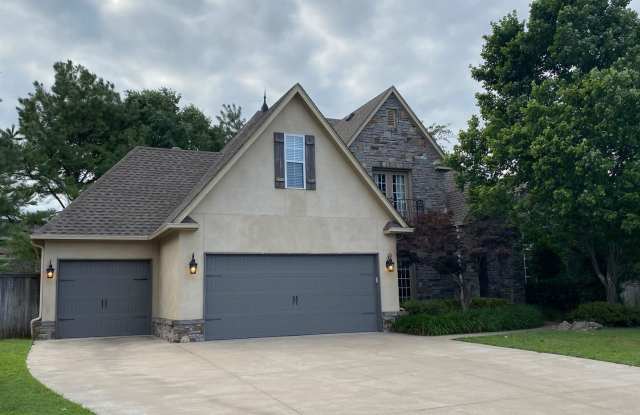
(224, 51)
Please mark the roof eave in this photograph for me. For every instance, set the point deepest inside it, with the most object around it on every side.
(169, 227)
(57, 236)
(396, 230)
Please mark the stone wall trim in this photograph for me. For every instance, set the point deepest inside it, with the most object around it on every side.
(178, 331)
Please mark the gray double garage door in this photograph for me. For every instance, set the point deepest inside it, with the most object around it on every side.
(245, 296)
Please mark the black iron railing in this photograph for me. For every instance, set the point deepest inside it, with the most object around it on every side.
(409, 209)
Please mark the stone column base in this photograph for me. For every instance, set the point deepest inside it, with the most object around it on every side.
(178, 331)
(388, 317)
(43, 330)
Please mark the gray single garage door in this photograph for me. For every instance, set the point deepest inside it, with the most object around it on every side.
(103, 298)
(285, 295)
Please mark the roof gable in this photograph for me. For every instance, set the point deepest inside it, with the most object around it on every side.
(154, 189)
(352, 125)
(199, 193)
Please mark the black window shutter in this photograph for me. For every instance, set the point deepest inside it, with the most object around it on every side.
(278, 159)
(310, 161)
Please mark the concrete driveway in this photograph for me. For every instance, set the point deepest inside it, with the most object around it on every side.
(334, 374)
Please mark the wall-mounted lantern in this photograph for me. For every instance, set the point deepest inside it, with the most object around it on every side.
(389, 265)
(50, 270)
(193, 265)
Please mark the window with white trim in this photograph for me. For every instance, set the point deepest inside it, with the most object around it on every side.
(405, 282)
(294, 161)
(381, 182)
(399, 193)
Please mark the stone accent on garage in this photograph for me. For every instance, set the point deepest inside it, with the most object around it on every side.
(43, 330)
(179, 331)
(388, 317)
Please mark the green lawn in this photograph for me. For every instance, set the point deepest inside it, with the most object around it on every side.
(20, 393)
(609, 345)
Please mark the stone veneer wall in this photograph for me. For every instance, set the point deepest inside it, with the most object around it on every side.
(378, 146)
(403, 148)
(43, 330)
(178, 331)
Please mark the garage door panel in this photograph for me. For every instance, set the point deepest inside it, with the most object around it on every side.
(104, 298)
(280, 295)
(248, 302)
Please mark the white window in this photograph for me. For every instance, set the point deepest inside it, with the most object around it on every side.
(404, 281)
(294, 174)
(381, 182)
(400, 193)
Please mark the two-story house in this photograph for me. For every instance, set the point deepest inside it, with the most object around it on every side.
(294, 228)
(405, 162)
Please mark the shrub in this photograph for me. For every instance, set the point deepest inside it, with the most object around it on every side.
(484, 302)
(475, 320)
(607, 314)
(437, 307)
(432, 307)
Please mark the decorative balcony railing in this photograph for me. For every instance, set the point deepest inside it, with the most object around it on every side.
(409, 209)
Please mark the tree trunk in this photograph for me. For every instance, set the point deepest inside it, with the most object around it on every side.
(612, 292)
(464, 293)
(609, 278)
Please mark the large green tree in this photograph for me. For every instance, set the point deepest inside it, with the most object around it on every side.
(70, 134)
(154, 118)
(557, 143)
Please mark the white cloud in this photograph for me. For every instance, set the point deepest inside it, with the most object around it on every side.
(223, 51)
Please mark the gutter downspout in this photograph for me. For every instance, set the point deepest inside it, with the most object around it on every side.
(38, 318)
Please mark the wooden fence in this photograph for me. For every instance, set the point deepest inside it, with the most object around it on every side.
(19, 302)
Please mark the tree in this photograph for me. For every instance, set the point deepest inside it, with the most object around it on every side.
(558, 138)
(13, 193)
(230, 120)
(22, 255)
(438, 244)
(154, 118)
(70, 135)
(442, 133)
(67, 135)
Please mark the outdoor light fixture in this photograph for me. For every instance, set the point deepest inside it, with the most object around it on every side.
(389, 265)
(193, 265)
(50, 270)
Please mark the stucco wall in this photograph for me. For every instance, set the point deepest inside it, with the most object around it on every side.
(54, 250)
(245, 212)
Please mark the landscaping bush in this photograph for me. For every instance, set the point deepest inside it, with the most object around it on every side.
(485, 302)
(432, 307)
(438, 307)
(475, 320)
(612, 315)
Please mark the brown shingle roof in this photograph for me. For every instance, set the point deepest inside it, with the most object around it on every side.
(135, 196)
(350, 124)
(146, 189)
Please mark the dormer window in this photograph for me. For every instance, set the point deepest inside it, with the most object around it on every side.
(392, 118)
(294, 161)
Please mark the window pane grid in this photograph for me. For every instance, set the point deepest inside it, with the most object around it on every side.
(404, 281)
(294, 161)
(399, 193)
(381, 182)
